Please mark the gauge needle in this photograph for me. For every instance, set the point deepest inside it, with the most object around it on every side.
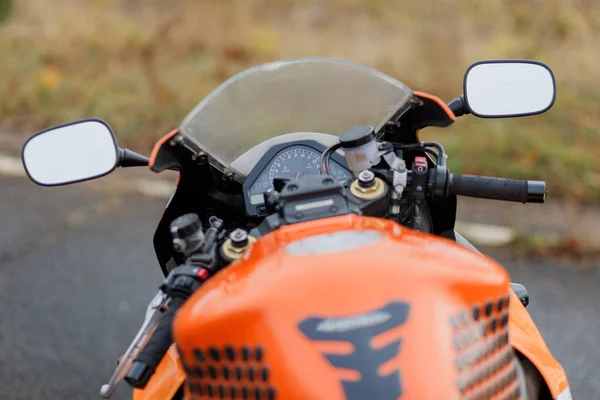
(298, 175)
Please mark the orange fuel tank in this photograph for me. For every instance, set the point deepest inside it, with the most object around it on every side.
(350, 308)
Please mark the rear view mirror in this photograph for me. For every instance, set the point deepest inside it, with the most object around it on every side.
(74, 152)
(497, 89)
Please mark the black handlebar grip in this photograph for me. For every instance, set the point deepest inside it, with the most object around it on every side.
(145, 364)
(486, 187)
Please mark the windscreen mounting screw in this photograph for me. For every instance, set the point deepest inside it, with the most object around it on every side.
(176, 140)
(228, 176)
(366, 179)
(200, 158)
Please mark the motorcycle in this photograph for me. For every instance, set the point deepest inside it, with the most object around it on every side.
(309, 248)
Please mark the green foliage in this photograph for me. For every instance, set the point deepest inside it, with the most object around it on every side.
(143, 64)
(5, 10)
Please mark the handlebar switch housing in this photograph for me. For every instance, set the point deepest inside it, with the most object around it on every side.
(420, 175)
(420, 219)
(437, 186)
(184, 280)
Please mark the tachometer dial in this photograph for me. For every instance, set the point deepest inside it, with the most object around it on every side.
(299, 161)
(293, 163)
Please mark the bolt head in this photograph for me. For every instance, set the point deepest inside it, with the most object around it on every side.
(239, 238)
(366, 175)
(366, 179)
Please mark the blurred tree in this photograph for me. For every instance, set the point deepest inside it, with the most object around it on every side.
(5, 10)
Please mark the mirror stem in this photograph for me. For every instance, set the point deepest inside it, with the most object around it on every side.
(459, 106)
(129, 158)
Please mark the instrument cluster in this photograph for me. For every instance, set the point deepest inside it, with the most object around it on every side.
(291, 161)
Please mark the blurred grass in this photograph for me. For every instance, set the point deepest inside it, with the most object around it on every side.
(143, 64)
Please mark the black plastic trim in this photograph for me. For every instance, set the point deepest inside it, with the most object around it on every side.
(62, 126)
(252, 209)
(129, 158)
(508, 62)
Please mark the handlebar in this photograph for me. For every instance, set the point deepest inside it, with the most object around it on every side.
(179, 286)
(145, 364)
(155, 337)
(486, 187)
(440, 182)
(153, 315)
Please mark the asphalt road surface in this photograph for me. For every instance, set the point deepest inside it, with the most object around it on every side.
(77, 270)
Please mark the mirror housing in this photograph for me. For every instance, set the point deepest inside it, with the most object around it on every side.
(509, 88)
(74, 152)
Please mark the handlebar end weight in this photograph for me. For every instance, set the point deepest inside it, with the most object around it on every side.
(536, 191)
(139, 375)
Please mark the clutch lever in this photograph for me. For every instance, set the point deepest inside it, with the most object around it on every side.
(154, 313)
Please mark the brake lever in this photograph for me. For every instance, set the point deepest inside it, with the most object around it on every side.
(154, 313)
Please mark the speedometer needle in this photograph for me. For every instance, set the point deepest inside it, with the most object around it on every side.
(298, 175)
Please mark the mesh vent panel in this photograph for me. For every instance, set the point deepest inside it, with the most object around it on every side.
(229, 373)
(485, 360)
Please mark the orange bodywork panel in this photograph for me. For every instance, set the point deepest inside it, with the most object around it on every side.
(526, 338)
(442, 107)
(159, 144)
(166, 381)
(155, 151)
(269, 323)
(439, 102)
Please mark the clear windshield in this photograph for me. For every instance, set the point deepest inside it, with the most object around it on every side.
(306, 95)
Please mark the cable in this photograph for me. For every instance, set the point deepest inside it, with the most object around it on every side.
(419, 147)
(326, 156)
(440, 155)
(441, 159)
(406, 215)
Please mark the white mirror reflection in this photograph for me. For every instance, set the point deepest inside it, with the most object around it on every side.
(71, 153)
(509, 89)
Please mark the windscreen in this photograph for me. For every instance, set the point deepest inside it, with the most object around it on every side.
(306, 95)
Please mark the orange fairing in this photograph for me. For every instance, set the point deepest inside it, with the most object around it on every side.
(439, 102)
(165, 382)
(526, 338)
(154, 154)
(354, 305)
(159, 144)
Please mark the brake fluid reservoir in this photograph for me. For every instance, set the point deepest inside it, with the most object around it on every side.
(360, 147)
